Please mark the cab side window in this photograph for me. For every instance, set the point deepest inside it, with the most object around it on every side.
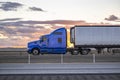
(59, 40)
(57, 33)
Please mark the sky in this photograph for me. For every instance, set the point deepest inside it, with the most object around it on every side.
(22, 21)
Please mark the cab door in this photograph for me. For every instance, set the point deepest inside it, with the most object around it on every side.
(44, 44)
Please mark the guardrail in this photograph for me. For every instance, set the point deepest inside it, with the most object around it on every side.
(13, 49)
(81, 68)
(5, 51)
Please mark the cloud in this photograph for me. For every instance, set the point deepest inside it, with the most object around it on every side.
(29, 27)
(3, 36)
(28, 30)
(64, 22)
(51, 22)
(10, 6)
(112, 18)
(11, 19)
(35, 9)
(14, 6)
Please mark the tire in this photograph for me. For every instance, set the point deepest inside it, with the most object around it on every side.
(85, 51)
(75, 52)
(35, 51)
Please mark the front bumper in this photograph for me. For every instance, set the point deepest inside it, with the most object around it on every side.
(29, 51)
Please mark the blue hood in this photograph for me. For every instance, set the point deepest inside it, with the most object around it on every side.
(33, 43)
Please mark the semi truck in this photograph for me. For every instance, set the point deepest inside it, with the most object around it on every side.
(83, 37)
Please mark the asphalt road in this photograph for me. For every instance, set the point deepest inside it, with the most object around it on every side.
(62, 77)
(56, 58)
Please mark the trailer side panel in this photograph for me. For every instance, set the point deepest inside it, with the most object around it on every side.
(95, 36)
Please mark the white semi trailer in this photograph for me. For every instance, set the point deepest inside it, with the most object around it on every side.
(98, 37)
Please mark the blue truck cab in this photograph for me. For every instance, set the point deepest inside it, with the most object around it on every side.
(53, 43)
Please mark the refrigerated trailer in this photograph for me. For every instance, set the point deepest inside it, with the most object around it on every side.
(84, 38)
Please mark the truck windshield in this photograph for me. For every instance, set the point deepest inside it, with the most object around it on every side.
(43, 38)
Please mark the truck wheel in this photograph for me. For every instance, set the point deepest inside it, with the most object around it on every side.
(35, 51)
(75, 52)
(85, 51)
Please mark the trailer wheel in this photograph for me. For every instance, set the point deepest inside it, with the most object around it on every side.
(75, 52)
(35, 51)
(85, 51)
